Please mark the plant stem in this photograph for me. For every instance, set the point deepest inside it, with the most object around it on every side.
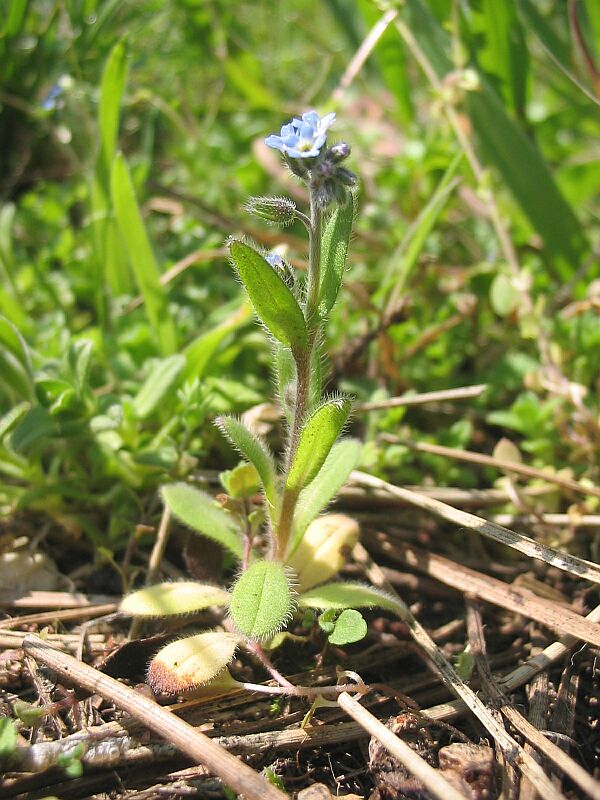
(303, 377)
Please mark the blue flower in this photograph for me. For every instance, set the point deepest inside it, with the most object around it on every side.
(302, 137)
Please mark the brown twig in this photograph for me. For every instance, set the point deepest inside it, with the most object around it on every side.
(196, 745)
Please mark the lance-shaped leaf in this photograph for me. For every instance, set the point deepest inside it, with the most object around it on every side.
(318, 436)
(273, 301)
(199, 511)
(261, 600)
(344, 594)
(334, 473)
(168, 599)
(324, 549)
(251, 447)
(162, 379)
(188, 663)
(334, 250)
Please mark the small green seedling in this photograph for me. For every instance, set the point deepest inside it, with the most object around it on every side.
(304, 551)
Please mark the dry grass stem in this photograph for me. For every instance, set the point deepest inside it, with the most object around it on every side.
(510, 749)
(551, 751)
(514, 598)
(432, 778)
(196, 745)
(498, 463)
(556, 558)
(462, 393)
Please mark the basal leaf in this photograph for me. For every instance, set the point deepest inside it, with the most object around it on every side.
(347, 595)
(318, 436)
(273, 301)
(200, 512)
(261, 600)
(324, 549)
(168, 599)
(188, 663)
(255, 451)
(334, 473)
(334, 250)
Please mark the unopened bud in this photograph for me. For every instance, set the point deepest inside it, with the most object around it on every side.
(277, 210)
(339, 152)
(324, 549)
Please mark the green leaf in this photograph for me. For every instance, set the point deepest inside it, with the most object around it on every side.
(261, 600)
(406, 256)
(140, 254)
(273, 301)
(334, 250)
(168, 599)
(12, 417)
(241, 481)
(334, 473)
(80, 359)
(285, 369)
(8, 738)
(200, 512)
(350, 627)
(251, 447)
(35, 424)
(15, 366)
(344, 594)
(558, 50)
(318, 436)
(504, 295)
(200, 351)
(162, 380)
(191, 662)
(112, 86)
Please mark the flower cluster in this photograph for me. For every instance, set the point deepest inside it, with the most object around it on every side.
(302, 138)
(302, 142)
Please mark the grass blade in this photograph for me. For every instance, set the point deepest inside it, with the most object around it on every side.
(140, 254)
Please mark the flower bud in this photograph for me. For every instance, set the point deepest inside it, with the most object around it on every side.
(324, 549)
(338, 152)
(277, 210)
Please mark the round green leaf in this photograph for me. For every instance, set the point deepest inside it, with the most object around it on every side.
(349, 627)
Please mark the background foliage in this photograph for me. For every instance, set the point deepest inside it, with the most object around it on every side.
(130, 135)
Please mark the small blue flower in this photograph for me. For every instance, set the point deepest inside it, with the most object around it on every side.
(302, 138)
(275, 260)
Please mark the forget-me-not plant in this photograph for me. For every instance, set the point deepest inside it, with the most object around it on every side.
(287, 553)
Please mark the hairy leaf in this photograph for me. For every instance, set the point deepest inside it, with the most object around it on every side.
(261, 600)
(168, 599)
(273, 301)
(251, 447)
(349, 627)
(334, 473)
(188, 663)
(324, 549)
(198, 510)
(334, 250)
(347, 595)
(318, 436)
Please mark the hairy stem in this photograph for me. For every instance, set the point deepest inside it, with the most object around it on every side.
(303, 376)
